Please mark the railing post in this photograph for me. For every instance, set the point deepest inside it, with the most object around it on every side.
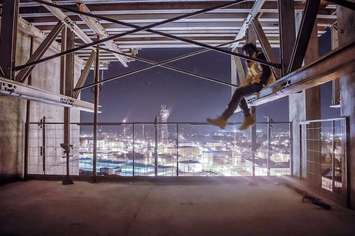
(347, 161)
(68, 85)
(156, 147)
(268, 145)
(96, 105)
(28, 120)
(253, 146)
(133, 151)
(290, 131)
(44, 144)
(301, 152)
(333, 155)
(177, 149)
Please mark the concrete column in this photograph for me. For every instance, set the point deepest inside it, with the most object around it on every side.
(295, 105)
(346, 26)
(304, 106)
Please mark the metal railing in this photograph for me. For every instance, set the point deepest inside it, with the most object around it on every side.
(324, 153)
(162, 149)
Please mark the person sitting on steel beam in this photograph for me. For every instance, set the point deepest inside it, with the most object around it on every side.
(258, 76)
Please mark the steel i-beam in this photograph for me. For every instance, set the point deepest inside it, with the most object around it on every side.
(287, 31)
(100, 30)
(17, 89)
(329, 67)
(304, 34)
(84, 74)
(265, 45)
(8, 37)
(25, 72)
(253, 13)
(75, 28)
(344, 3)
(147, 28)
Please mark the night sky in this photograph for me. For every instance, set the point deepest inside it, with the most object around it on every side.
(139, 97)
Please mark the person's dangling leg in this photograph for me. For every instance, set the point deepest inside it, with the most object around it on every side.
(233, 104)
(222, 120)
(244, 107)
(249, 118)
(237, 99)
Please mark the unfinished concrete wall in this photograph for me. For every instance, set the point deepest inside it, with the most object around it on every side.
(346, 26)
(12, 117)
(12, 121)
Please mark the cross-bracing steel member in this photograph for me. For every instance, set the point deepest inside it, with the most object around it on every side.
(258, 76)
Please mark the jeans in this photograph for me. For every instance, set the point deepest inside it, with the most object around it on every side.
(238, 99)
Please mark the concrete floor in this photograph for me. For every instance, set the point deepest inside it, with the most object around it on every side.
(214, 206)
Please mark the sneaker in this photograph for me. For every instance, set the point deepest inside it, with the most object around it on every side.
(249, 120)
(219, 121)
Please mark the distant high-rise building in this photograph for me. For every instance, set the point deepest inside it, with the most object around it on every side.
(126, 128)
(163, 128)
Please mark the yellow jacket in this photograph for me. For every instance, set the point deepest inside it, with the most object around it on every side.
(254, 75)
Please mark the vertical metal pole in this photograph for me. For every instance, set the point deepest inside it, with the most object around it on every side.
(63, 63)
(96, 103)
(177, 149)
(268, 145)
(253, 146)
(68, 89)
(290, 131)
(8, 36)
(28, 120)
(133, 154)
(347, 161)
(333, 155)
(156, 147)
(44, 145)
(301, 152)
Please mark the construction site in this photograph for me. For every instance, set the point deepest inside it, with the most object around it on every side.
(67, 170)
